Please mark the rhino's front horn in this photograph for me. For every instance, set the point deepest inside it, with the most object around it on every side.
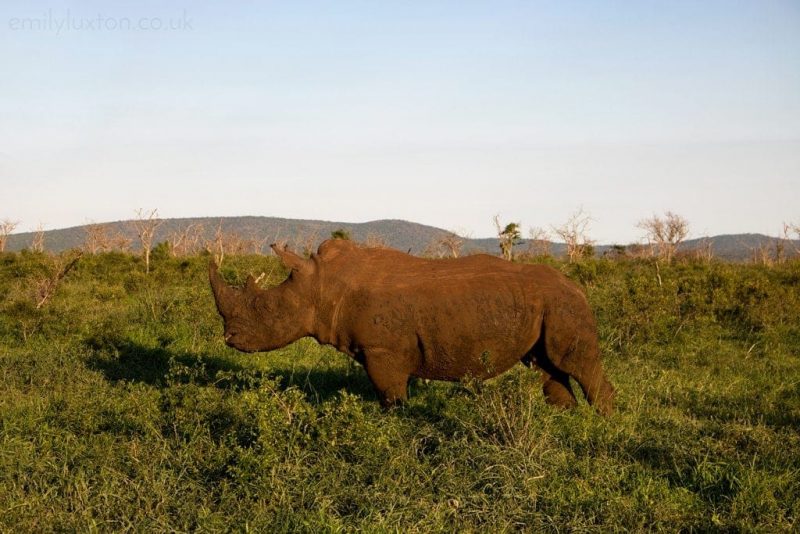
(224, 295)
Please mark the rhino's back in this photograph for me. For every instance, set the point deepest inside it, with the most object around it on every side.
(476, 315)
(394, 269)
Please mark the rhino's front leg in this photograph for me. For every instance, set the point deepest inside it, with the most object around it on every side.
(389, 375)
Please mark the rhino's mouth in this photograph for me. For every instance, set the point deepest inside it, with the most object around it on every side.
(239, 342)
(232, 331)
(230, 339)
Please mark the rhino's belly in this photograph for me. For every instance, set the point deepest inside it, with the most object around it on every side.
(455, 366)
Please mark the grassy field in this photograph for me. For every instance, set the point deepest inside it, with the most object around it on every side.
(121, 409)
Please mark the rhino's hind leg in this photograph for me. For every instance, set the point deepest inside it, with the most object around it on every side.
(390, 383)
(557, 390)
(555, 383)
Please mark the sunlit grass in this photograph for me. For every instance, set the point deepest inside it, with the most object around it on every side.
(121, 409)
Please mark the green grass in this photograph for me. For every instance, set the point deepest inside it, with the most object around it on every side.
(121, 409)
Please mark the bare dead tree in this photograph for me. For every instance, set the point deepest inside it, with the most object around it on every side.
(217, 245)
(780, 249)
(666, 233)
(306, 242)
(784, 246)
(46, 287)
(704, 251)
(6, 227)
(184, 241)
(100, 237)
(227, 243)
(451, 242)
(375, 240)
(120, 242)
(236, 244)
(762, 254)
(445, 245)
(146, 224)
(508, 235)
(193, 241)
(792, 246)
(448, 245)
(432, 250)
(575, 233)
(539, 241)
(773, 250)
(97, 238)
(638, 250)
(257, 242)
(37, 242)
(176, 239)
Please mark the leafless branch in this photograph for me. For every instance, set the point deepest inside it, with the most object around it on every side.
(97, 238)
(185, 241)
(665, 234)
(37, 243)
(6, 227)
(375, 241)
(539, 242)
(575, 233)
(145, 224)
(306, 241)
(704, 251)
(788, 230)
(46, 287)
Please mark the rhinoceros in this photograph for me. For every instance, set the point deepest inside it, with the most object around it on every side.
(443, 319)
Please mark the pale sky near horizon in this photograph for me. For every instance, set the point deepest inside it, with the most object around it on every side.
(438, 112)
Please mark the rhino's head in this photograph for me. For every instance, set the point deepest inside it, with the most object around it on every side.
(259, 320)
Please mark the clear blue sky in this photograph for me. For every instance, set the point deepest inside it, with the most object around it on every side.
(440, 112)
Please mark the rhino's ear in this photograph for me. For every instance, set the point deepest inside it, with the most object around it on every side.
(292, 260)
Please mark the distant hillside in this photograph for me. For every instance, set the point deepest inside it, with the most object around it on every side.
(402, 235)
(741, 247)
(399, 234)
(729, 247)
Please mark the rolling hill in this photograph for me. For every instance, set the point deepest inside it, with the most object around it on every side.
(399, 234)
